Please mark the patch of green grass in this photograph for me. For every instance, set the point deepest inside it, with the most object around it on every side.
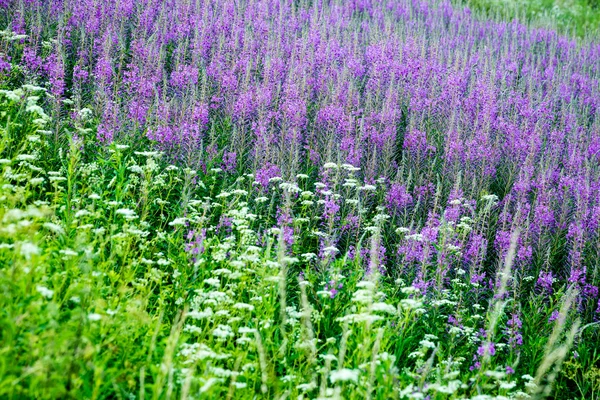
(580, 18)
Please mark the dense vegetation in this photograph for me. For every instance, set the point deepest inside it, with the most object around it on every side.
(267, 199)
(576, 17)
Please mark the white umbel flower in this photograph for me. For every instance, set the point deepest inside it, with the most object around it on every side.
(344, 375)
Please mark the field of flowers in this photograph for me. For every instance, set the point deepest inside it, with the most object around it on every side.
(332, 199)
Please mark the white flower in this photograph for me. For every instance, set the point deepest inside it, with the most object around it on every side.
(82, 213)
(68, 252)
(410, 303)
(492, 198)
(54, 228)
(350, 167)
(36, 181)
(85, 113)
(178, 222)
(33, 88)
(331, 250)
(416, 237)
(384, 307)
(309, 256)
(215, 282)
(344, 375)
(147, 153)
(127, 213)
(305, 387)
(366, 284)
(222, 332)
(57, 179)
(328, 357)
(427, 344)
(507, 385)
(241, 306)
(357, 318)
(330, 165)
(28, 249)
(290, 187)
(94, 317)
(44, 291)
(195, 314)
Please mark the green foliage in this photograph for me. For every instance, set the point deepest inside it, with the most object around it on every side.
(576, 17)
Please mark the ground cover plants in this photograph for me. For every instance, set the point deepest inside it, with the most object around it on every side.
(578, 17)
(295, 199)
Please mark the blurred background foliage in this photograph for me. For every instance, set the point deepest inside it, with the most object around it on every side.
(579, 18)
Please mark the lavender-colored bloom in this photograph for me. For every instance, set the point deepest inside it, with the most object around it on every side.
(229, 161)
(554, 316)
(398, 197)
(264, 174)
(486, 349)
(331, 208)
(545, 281)
(195, 244)
(514, 324)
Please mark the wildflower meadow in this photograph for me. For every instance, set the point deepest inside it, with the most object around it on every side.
(297, 199)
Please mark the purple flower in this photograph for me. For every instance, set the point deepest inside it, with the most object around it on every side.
(331, 207)
(229, 161)
(184, 75)
(554, 316)
(545, 281)
(487, 348)
(264, 174)
(195, 244)
(415, 141)
(398, 197)
(515, 338)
